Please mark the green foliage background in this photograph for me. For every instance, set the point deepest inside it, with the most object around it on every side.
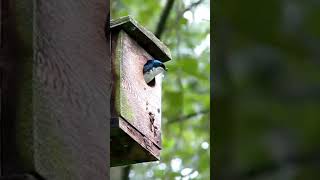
(186, 87)
(267, 90)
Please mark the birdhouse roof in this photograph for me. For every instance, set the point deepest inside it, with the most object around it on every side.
(143, 37)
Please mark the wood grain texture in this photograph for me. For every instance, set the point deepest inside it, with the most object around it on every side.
(72, 89)
(129, 146)
(142, 100)
(58, 89)
(136, 122)
(136, 110)
(153, 151)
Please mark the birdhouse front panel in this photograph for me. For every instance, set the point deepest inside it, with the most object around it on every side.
(138, 103)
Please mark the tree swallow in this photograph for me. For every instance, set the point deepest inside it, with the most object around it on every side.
(152, 68)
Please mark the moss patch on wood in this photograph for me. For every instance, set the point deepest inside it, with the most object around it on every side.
(121, 100)
(126, 110)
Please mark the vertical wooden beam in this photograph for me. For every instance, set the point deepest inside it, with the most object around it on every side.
(0, 88)
(0, 23)
(58, 88)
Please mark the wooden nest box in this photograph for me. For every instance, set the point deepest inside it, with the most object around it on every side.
(136, 105)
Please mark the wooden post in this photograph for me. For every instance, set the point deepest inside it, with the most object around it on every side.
(56, 64)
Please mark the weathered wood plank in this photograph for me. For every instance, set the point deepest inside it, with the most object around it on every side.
(1, 16)
(140, 103)
(143, 140)
(136, 135)
(136, 122)
(129, 146)
(73, 87)
(58, 89)
(1, 132)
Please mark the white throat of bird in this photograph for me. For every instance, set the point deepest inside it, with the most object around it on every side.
(150, 75)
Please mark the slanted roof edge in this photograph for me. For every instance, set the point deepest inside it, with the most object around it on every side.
(144, 37)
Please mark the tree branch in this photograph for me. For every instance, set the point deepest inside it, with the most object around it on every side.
(192, 5)
(165, 14)
(163, 18)
(189, 116)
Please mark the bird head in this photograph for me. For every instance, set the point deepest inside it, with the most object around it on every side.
(153, 64)
(153, 68)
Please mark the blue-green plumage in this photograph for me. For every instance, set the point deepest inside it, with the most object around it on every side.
(153, 68)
